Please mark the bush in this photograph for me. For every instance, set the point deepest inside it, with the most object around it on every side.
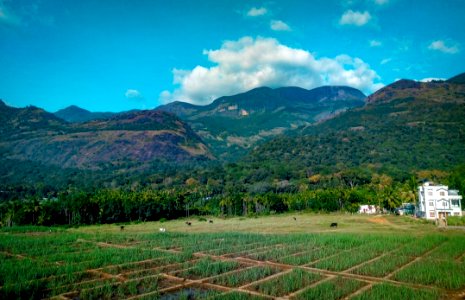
(162, 220)
(202, 219)
(456, 221)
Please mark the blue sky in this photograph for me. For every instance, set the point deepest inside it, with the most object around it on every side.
(119, 55)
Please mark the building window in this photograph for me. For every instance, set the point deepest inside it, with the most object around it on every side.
(431, 214)
(444, 203)
(442, 193)
(455, 203)
(431, 203)
(430, 193)
(456, 214)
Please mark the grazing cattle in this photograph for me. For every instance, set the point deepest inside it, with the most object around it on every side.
(121, 228)
(333, 225)
(188, 223)
(295, 219)
(162, 229)
(210, 221)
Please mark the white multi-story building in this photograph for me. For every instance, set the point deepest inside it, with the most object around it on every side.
(436, 202)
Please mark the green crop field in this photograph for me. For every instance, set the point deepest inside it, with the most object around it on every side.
(239, 258)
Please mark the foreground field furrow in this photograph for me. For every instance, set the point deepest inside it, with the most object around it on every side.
(393, 274)
(332, 288)
(336, 264)
(379, 291)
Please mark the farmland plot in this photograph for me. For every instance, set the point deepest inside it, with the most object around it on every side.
(70, 265)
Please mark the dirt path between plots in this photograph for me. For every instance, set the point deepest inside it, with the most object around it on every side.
(180, 282)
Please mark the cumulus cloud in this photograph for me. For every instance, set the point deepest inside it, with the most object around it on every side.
(356, 18)
(255, 12)
(429, 79)
(375, 43)
(441, 46)
(133, 94)
(248, 63)
(278, 25)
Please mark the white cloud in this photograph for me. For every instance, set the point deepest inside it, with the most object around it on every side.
(248, 63)
(356, 18)
(255, 12)
(385, 61)
(132, 94)
(381, 2)
(375, 43)
(278, 25)
(429, 79)
(441, 46)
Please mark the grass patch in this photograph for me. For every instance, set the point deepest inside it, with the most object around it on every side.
(446, 274)
(387, 292)
(244, 276)
(287, 283)
(456, 221)
(335, 288)
(383, 266)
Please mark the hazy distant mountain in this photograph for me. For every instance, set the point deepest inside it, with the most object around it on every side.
(405, 126)
(233, 124)
(74, 113)
(122, 141)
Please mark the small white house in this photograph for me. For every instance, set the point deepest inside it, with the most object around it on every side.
(437, 202)
(367, 209)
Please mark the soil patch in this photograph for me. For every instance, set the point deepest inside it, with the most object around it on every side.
(379, 220)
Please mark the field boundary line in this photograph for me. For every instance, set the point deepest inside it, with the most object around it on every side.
(388, 276)
(359, 291)
(248, 285)
(301, 252)
(372, 260)
(239, 253)
(267, 249)
(206, 280)
(460, 257)
(303, 289)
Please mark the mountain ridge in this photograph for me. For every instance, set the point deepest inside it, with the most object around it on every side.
(404, 127)
(233, 124)
(133, 138)
(76, 114)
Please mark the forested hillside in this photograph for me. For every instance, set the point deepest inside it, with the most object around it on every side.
(376, 154)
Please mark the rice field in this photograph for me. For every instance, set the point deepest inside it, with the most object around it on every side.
(90, 263)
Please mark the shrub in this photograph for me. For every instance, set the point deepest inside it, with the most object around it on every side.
(456, 221)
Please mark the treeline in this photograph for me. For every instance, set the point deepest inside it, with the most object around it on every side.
(343, 191)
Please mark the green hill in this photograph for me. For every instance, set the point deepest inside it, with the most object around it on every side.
(405, 126)
(124, 141)
(232, 125)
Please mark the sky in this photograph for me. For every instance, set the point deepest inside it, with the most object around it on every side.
(117, 55)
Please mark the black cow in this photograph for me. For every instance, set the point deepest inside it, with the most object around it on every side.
(333, 225)
(121, 228)
(210, 221)
(188, 223)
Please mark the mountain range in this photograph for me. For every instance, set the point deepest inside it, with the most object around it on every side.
(278, 133)
(231, 125)
(125, 140)
(406, 126)
(74, 114)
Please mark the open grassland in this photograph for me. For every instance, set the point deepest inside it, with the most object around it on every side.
(287, 256)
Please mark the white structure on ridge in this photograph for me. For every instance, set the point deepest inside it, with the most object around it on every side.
(437, 202)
